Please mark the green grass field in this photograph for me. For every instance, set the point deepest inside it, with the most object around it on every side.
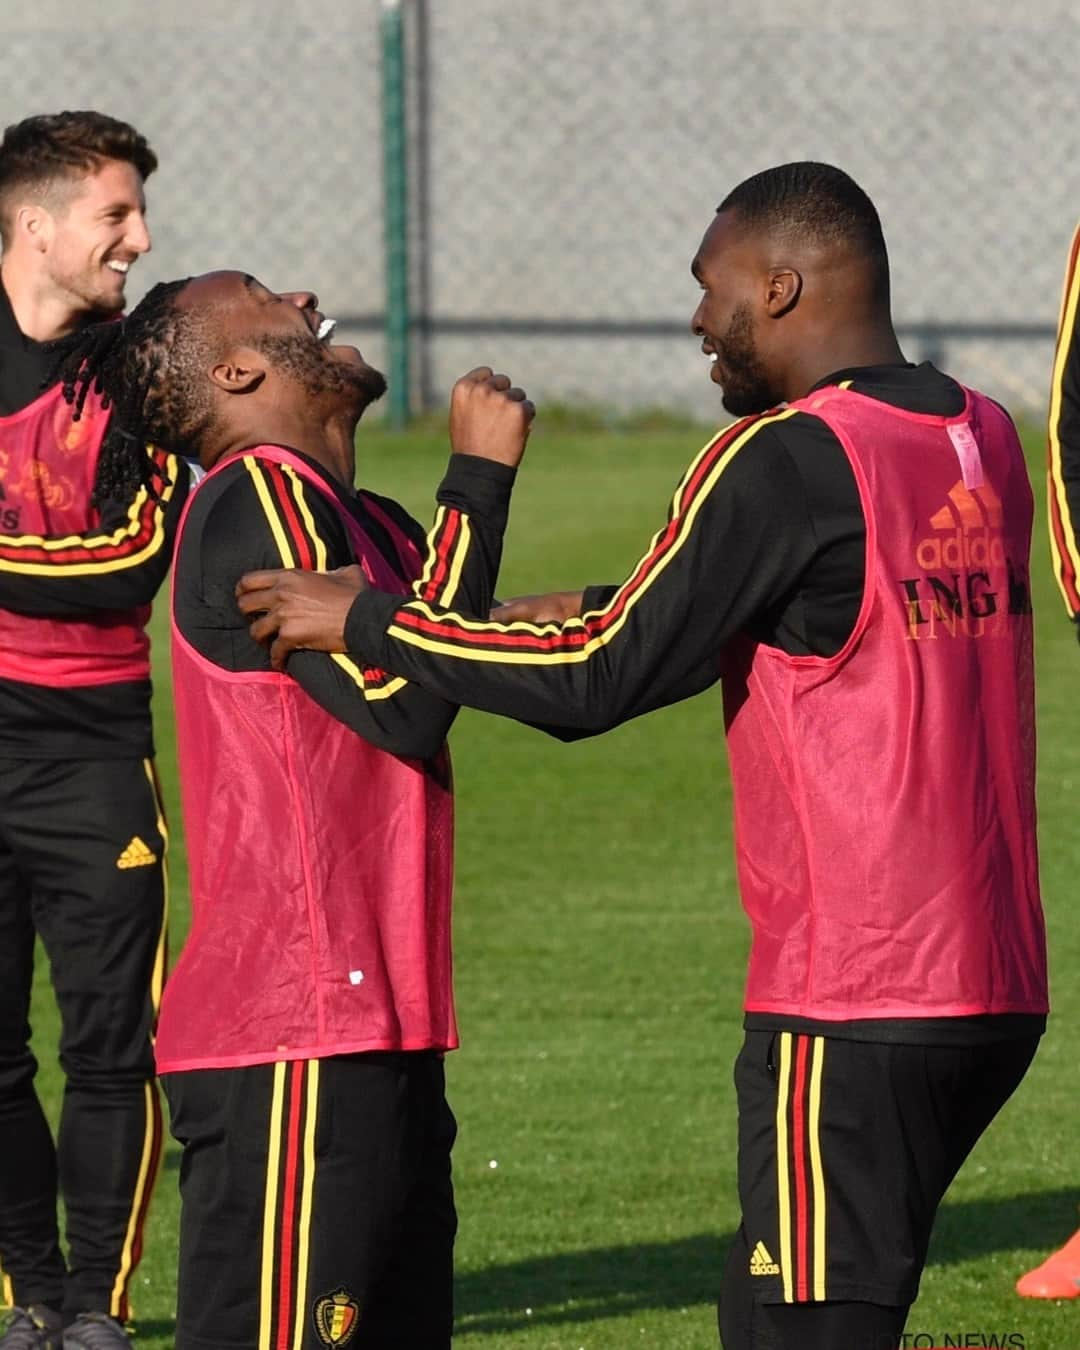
(600, 951)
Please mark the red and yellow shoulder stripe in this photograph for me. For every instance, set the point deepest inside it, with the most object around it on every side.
(281, 493)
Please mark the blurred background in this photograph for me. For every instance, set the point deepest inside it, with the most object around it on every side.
(558, 164)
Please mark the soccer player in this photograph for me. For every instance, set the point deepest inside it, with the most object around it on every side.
(852, 557)
(302, 1032)
(1059, 1275)
(82, 836)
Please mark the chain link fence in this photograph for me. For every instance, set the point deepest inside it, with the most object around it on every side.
(565, 158)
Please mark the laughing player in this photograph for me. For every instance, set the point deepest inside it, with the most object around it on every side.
(303, 1029)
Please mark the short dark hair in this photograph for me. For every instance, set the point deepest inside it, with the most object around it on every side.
(148, 368)
(815, 202)
(39, 153)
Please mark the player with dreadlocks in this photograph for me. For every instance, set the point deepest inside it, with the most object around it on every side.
(86, 530)
(302, 1031)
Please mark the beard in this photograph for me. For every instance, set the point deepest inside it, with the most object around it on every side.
(745, 384)
(90, 288)
(319, 373)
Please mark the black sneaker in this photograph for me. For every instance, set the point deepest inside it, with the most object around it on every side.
(33, 1328)
(95, 1331)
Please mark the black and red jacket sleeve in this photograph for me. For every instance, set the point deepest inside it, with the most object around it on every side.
(726, 554)
(116, 565)
(1064, 441)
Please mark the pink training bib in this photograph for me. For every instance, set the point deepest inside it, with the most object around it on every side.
(885, 797)
(320, 868)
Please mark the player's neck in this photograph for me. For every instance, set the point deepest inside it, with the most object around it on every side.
(339, 451)
(41, 313)
(330, 445)
(848, 350)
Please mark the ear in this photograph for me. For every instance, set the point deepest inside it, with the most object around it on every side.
(782, 292)
(241, 373)
(34, 226)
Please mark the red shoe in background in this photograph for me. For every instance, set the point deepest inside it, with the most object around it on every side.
(1057, 1277)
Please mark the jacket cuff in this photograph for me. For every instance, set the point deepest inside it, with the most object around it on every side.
(365, 628)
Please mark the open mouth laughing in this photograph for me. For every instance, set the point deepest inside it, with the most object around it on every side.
(713, 357)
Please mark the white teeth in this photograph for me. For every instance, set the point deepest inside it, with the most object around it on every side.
(325, 329)
(714, 357)
(117, 265)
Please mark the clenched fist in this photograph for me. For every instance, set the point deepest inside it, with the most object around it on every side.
(489, 417)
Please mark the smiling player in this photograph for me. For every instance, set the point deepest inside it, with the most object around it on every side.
(83, 549)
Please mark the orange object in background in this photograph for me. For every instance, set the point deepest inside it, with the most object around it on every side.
(1057, 1277)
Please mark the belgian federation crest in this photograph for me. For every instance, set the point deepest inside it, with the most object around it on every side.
(336, 1317)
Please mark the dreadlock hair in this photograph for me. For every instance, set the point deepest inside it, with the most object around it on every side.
(147, 367)
(817, 203)
(40, 156)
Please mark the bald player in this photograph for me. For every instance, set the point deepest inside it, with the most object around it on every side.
(851, 558)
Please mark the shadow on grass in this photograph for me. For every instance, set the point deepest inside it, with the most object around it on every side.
(585, 1286)
(1039, 1221)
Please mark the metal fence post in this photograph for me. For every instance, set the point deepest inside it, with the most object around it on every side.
(395, 207)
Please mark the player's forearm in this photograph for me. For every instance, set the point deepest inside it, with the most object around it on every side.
(461, 674)
(586, 675)
(388, 711)
(464, 546)
(69, 596)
